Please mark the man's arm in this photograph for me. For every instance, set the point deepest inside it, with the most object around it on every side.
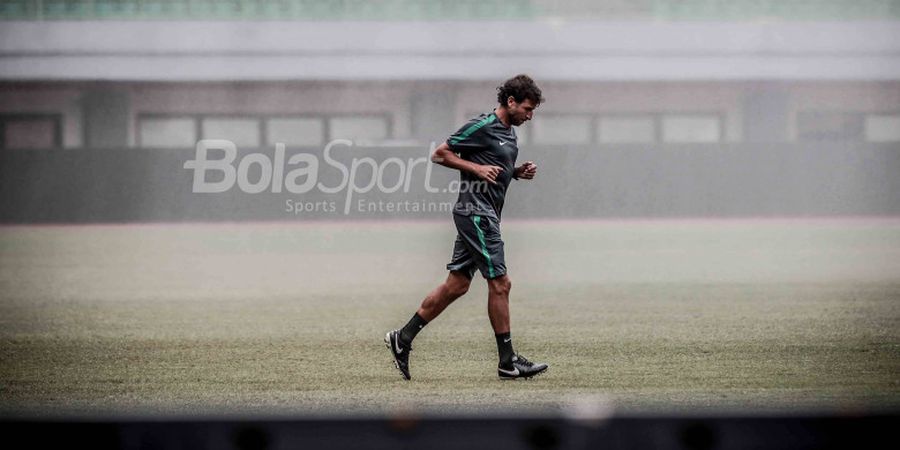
(445, 157)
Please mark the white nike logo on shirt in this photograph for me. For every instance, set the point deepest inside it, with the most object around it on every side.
(501, 142)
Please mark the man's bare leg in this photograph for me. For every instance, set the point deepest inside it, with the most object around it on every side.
(498, 303)
(456, 285)
(399, 341)
(512, 365)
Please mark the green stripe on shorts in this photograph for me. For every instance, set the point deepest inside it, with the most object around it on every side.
(484, 250)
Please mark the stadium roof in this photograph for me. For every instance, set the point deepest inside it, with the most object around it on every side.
(469, 50)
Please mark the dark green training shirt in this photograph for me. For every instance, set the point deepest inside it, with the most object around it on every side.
(484, 140)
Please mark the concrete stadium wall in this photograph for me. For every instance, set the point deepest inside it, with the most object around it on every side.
(108, 114)
(715, 180)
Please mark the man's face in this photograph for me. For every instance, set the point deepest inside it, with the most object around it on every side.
(519, 113)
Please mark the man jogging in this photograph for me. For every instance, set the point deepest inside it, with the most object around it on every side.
(484, 151)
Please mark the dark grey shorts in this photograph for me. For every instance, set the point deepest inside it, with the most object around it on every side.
(478, 246)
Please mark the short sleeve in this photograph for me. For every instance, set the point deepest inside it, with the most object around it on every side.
(470, 138)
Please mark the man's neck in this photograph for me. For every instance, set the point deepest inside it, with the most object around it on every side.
(503, 115)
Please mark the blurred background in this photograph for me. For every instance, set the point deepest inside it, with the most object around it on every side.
(713, 231)
(655, 108)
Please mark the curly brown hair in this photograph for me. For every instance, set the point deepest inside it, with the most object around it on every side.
(519, 88)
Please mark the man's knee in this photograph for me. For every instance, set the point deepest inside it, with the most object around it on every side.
(500, 285)
(457, 285)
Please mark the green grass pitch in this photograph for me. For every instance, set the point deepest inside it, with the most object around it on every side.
(673, 316)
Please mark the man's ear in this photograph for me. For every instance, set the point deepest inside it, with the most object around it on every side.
(510, 101)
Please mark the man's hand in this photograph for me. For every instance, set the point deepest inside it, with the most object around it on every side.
(526, 171)
(445, 157)
(488, 173)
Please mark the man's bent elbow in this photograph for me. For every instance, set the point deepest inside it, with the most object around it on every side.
(440, 154)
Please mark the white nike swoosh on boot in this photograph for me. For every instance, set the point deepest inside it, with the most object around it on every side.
(513, 372)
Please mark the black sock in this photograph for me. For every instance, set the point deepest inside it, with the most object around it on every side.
(412, 328)
(504, 347)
